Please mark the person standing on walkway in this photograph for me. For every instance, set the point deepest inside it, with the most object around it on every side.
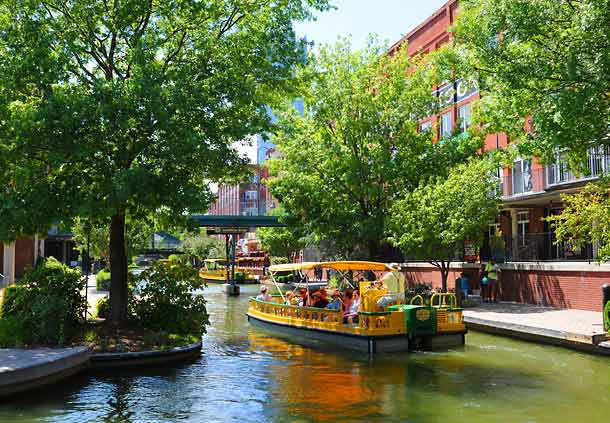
(493, 276)
(483, 281)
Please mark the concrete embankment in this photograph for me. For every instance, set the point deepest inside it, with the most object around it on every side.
(576, 329)
(26, 369)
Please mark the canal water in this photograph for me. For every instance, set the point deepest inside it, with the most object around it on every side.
(245, 375)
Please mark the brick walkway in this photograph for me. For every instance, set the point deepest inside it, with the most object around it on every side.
(575, 328)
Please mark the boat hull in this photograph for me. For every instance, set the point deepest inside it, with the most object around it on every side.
(311, 336)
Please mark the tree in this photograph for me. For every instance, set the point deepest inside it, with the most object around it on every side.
(358, 143)
(115, 109)
(202, 246)
(547, 60)
(433, 221)
(282, 241)
(138, 234)
(585, 219)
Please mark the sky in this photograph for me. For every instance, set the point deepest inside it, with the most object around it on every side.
(388, 19)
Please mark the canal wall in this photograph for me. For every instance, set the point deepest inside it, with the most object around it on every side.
(26, 369)
(560, 285)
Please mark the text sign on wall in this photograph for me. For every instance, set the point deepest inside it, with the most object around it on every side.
(456, 91)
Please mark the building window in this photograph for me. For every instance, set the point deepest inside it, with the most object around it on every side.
(498, 175)
(494, 228)
(464, 117)
(522, 177)
(425, 126)
(523, 223)
(446, 124)
(250, 196)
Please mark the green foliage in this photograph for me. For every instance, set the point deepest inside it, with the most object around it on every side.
(282, 241)
(279, 260)
(12, 333)
(585, 218)
(102, 308)
(240, 277)
(358, 144)
(114, 110)
(433, 221)
(334, 282)
(202, 246)
(47, 302)
(102, 280)
(165, 299)
(285, 278)
(138, 234)
(544, 59)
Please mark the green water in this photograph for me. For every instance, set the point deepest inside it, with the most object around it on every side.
(245, 375)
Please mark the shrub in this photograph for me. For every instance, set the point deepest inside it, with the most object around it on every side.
(279, 260)
(11, 333)
(240, 277)
(47, 303)
(164, 299)
(102, 308)
(102, 280)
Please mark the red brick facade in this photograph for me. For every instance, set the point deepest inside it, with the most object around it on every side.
(557, 288)
(530, 192)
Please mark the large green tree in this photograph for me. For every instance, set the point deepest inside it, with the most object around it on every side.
(548, 60)
(433, 221)
(358, 143)
(116, 108)
(586, 219)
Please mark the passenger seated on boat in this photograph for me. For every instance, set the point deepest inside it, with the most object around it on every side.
(350, 316)
(291, 299)
(319, 300)
(335, 303)
(302, 301)
(264, 295)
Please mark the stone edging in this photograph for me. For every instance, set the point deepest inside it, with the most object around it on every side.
(537, 335)
(44, 372)
(144, 358)
(50, 371)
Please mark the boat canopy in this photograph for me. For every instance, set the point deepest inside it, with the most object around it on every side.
(290, 267)
(336, 265)
(215, 260)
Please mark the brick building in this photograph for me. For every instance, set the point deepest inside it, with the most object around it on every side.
(536, 270)
(18, 255)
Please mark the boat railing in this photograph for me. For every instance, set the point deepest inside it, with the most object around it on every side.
(309, 314)
(443, 300)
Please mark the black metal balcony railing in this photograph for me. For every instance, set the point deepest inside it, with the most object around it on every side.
(538, 247)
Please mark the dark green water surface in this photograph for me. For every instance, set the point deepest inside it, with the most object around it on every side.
(245, 375)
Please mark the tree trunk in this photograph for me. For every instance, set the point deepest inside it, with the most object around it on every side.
(118, 270)
(444, 276)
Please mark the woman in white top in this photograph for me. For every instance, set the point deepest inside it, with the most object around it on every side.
(264, 295)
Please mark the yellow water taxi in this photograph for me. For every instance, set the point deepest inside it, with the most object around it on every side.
(382, 321)
(215, 271)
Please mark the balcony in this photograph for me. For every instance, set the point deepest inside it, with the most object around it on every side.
(598, 164)
(521, 184)
(539, 247)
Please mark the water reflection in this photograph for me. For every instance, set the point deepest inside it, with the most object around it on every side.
(248, 375)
